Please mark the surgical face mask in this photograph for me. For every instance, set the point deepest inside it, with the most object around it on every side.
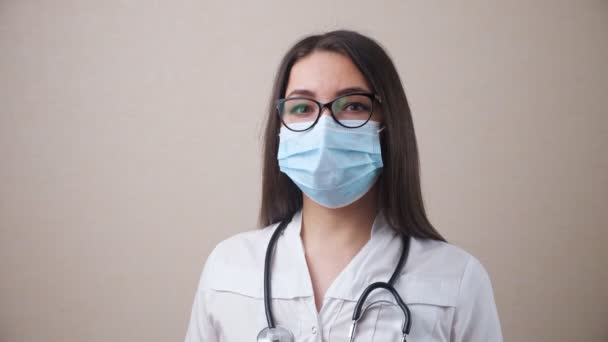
(331, 164)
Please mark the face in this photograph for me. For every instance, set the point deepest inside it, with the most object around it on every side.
(323, 76)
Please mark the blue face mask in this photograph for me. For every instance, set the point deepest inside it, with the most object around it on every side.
(331, 164)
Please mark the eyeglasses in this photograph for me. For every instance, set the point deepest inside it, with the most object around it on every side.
(301, 113)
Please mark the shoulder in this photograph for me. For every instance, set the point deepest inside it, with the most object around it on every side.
(467, 287)
(450, 270)
(248, 245)
(236, 261)
(442, 258)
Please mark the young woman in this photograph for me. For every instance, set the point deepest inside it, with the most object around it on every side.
(342, 210)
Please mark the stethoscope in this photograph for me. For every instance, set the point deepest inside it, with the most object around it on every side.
(273, 333)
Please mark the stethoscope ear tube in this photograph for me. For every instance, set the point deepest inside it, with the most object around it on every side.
(407, 324)
(405, 251)
(267, 266)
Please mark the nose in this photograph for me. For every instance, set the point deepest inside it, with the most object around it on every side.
(326, 111)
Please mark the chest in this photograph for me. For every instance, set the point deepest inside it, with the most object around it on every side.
(323, 272)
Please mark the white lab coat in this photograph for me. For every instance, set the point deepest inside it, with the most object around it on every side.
(447, 290)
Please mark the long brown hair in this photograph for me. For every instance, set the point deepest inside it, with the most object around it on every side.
(399, 188)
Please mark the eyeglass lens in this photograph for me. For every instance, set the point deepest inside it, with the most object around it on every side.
(345, 109)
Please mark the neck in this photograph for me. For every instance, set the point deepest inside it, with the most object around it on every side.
(348, 227)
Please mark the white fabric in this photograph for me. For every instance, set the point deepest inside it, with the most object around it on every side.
(447, 290)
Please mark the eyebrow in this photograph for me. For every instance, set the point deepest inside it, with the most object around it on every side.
(349, 90)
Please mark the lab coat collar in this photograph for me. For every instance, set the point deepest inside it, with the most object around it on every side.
(374, 262)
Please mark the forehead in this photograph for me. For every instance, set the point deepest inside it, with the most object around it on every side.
(325, 73)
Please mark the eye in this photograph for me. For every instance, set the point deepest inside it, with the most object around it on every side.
(301, 108)
(356, 107)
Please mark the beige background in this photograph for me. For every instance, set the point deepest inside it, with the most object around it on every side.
(129, 146)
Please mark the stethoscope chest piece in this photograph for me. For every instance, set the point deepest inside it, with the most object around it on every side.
(278, 334)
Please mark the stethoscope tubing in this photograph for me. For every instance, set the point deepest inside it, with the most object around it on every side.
(267, 267)
(389, 286)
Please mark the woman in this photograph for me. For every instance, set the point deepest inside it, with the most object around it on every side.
(341, 171)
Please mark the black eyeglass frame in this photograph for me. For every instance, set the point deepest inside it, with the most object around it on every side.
(372, 96)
